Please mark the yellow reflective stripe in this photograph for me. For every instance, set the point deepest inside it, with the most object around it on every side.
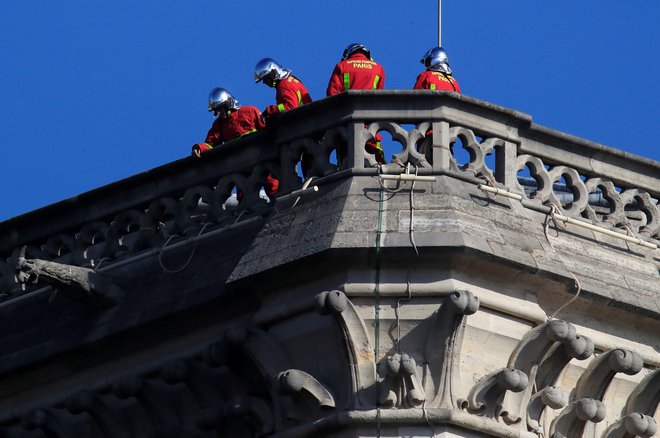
(299, 98)
(432, 86)
(248, 132)
(210, 147)
(281, 107)
(378, 146)
(347, 82)
(376, 80)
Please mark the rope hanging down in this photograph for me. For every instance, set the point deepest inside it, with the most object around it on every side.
(411, 236)
(554, 210)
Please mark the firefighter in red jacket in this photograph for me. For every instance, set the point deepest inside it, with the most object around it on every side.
(438, 75)
(357, 71)
(232, 121)
(290, 92)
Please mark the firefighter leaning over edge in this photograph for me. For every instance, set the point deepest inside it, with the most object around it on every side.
(357, 71)
(438, 75)
(290, 93)
(232, 121)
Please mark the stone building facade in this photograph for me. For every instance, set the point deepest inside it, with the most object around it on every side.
(426, 297)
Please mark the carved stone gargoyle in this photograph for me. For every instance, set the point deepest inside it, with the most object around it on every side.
(81, 284)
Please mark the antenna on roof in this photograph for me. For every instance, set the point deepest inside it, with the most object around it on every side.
(439, 23)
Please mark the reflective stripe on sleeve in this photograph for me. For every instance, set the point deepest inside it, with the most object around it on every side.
(300, 102)
(248, 132)
(376, 80)
(280, 107)
(347, 82)
(432, 86)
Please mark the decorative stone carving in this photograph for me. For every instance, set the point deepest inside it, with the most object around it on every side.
(550, 396)
(108, 421)
(158, 407)
(401, 386)
(73, 281)
(300, 383)
(50, 421)
(487, 395)
(646, 396)
(477, 150)
(547, 348)
(198, 378)
(632, 425)
(443, 346)
(571, 421)
(360, 349)
(596, 379)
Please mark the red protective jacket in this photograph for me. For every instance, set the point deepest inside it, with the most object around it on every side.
(290, 94)
(356, 73)
(243, 121)
(435, 80)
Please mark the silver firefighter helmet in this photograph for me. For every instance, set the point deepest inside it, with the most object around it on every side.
(436, 59)
(268, 70)
(354, 48)
(221, 102)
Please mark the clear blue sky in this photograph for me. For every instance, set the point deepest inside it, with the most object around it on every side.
(94, 91)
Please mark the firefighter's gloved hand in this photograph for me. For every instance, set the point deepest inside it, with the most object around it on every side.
(199, 148)
(271, 110)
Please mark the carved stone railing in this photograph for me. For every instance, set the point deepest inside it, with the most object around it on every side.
(187, 197)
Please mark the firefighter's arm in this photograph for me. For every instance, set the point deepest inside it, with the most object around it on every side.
(259, 121)
(287, 98)
(458, 89)
(381, 83)
(270, 110)
(419, 83)
(213, 138)
(199, 148)
(336, 84)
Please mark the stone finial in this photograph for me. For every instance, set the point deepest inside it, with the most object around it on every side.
(487, 395)
(400, 377)
(596, 379)
(443, 345)
(632, 425)
(549, 396)
(311, 390)
(330, 303)
(571, 421)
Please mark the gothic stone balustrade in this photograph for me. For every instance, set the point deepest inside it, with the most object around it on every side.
(407, 310)
(181, 198)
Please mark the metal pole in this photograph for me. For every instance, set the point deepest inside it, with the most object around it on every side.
(439, 23)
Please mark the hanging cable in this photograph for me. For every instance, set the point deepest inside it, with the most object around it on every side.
(552, 216)
(192, 252)
(379, 231)
(411, 236)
